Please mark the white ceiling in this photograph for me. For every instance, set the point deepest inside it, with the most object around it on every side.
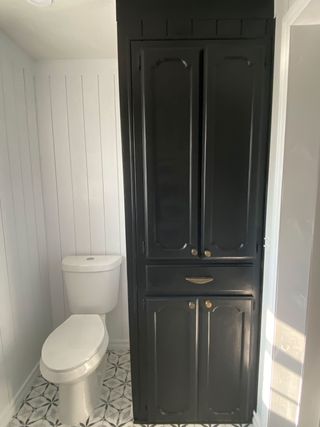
(67, 29)
(311, 14)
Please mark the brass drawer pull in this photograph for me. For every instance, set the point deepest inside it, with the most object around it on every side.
(199, 280)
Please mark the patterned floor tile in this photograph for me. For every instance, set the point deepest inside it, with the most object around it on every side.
(40, 407)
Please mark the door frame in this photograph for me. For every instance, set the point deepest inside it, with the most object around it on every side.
(286, 17)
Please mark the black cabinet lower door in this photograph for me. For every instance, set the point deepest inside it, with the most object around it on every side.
(224, 359)
(198, 360)
(171, 359)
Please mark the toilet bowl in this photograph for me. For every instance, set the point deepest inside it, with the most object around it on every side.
(72, 354)
(70, 358)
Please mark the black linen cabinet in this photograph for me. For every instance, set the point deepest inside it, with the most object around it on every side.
(195, 92)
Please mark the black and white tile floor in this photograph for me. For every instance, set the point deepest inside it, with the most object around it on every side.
(39, 408)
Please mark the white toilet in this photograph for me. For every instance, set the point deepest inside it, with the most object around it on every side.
(73, 352)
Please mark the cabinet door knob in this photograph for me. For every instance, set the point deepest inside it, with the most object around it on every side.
(194, 252)
(207, 254)
(208, 304)
(192, 305)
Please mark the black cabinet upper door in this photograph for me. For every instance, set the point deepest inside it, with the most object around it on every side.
(225, 335)
(166, 125)
(235, 139)
(171, 344)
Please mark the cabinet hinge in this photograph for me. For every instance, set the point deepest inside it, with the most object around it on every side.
(139, 63)
(143, 247)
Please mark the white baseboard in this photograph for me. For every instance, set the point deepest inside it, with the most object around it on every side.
(12, 408)
(119, 345)
(256, 420)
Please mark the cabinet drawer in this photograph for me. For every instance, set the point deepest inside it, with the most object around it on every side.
(194, 280)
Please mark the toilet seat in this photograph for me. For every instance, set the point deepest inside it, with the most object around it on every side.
(74, 349)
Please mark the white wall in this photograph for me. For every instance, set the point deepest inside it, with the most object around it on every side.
(299, 197)
(25, 319)
(80, 148)
(310, 396)
(61, 193)
(272, 225)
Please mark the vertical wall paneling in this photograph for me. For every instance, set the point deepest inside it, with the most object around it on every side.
(80, 145)
(61, 193)
(50, 194)
(25, 319)
(61, 155)
(7, 334)
(90, 99)
(43, 296)
(9, 275)
(124, 287)
(4, 393)
(78, 164)
(19, 292)
(31, 269)
(110, 171)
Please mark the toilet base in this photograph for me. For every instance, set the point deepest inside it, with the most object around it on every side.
(78, 400)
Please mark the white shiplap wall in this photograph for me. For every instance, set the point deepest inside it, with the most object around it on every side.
(79, 133)
(25, 319)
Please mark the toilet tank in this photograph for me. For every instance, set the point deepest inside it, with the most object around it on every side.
(91, 283)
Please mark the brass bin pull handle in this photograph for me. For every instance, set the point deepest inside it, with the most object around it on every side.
(199, 280)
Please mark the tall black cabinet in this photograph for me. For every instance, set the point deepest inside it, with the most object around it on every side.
(195, 88)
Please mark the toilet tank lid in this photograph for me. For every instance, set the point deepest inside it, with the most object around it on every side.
(91, 263)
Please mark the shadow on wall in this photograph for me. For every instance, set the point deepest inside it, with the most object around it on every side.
(284, 353)
(287, 369)
(278, 421)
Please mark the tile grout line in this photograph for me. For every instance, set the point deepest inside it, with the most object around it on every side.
(39, 408)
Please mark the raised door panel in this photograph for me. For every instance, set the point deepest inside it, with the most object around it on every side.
(166, 93)
(234, 146)
(172, 362)
(225, 359)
